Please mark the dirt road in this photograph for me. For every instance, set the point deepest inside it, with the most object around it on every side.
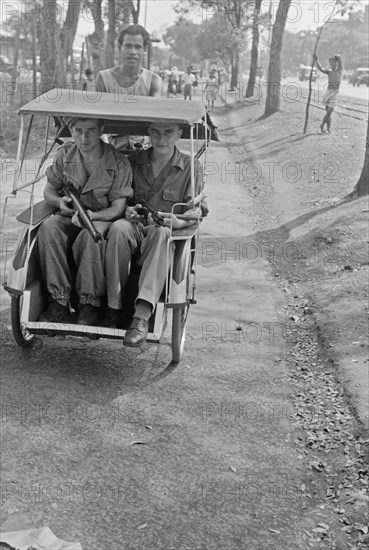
(109, 447)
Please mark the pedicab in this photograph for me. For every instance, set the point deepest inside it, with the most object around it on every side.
(128, 116)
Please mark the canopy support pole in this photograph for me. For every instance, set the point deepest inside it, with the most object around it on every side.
(192, 164)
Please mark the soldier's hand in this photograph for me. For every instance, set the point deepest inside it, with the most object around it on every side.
(64, 206)
(170, 220)
(75, 220)
(131, 214)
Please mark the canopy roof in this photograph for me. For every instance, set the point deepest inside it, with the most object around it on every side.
(128, 114)
(110, 106)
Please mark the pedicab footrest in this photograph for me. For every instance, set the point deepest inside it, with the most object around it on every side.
(55, 329)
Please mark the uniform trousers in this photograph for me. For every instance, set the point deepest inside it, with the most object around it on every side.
(123, 241)
(55, 237)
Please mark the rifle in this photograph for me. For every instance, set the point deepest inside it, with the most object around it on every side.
(70, 192)
(146, 209)
(158, 220)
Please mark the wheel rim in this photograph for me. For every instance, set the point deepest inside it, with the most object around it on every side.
(25, 333)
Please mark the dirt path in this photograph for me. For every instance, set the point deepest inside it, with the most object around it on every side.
(314, 238)
(107, 447)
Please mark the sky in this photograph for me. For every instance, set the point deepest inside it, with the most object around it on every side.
(302, 13)
(158, 14)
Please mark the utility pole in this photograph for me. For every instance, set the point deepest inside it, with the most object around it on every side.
(270, 23)
(145, 16)
(34, 55)
(149, 51)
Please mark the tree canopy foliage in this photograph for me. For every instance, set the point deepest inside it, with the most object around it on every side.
(349, 37)
(181, 38)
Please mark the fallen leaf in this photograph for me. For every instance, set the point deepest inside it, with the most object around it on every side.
(148, 427)
(143, 526)
(357, 496)
(276, 531)
(233, 469)
(323, 525)
(319, 530)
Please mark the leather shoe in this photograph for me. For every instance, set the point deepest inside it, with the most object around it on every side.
(57, 313)
(137, 332)
(88, 315)
(111, 318)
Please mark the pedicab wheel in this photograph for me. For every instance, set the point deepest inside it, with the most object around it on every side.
(21, 335)
(179, 332)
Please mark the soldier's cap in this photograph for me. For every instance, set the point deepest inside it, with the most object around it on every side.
(71, 121)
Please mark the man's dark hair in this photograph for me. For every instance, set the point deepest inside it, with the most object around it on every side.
(132, 30)
(72, 120)
(88, 72)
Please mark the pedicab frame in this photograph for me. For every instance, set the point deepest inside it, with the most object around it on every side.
(122, 115)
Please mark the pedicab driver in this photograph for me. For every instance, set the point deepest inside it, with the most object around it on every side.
(103, 178)
(130, 78)
(330, 99)
(161, 177)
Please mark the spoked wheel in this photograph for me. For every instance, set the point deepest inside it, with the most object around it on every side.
(21, 335)
(179, 332)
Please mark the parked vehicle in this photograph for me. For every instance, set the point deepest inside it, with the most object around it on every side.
(360, 76)
(5, 65)
(6, 69)
(304, 73)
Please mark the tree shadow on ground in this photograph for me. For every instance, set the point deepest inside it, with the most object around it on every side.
(277, 234)
(285, 142)
(275, 146)
(283, 231)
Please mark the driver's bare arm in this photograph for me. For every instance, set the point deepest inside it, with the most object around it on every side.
(321, 69)
(339, 61)
(156, 87)
(99, 83)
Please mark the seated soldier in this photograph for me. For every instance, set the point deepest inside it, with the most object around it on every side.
(102, 177)
(161, 177)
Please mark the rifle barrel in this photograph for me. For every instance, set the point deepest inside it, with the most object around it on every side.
(89, 225)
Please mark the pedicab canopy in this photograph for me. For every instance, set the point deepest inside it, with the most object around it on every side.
(123, 114)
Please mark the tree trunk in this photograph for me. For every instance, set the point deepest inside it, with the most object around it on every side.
(15, 65)
(125, 12)
(136, 12)
(68, 32)
(34, 57)
(48, 52)
(234, 69)
(272, 104)
(97, 38)
(82, 63)
(60, 68)
(254, 50)
(362, 186)
(110, 36)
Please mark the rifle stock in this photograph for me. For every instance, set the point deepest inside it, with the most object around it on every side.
(70, 192)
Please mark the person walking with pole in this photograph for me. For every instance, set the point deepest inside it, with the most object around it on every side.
(330, 99)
